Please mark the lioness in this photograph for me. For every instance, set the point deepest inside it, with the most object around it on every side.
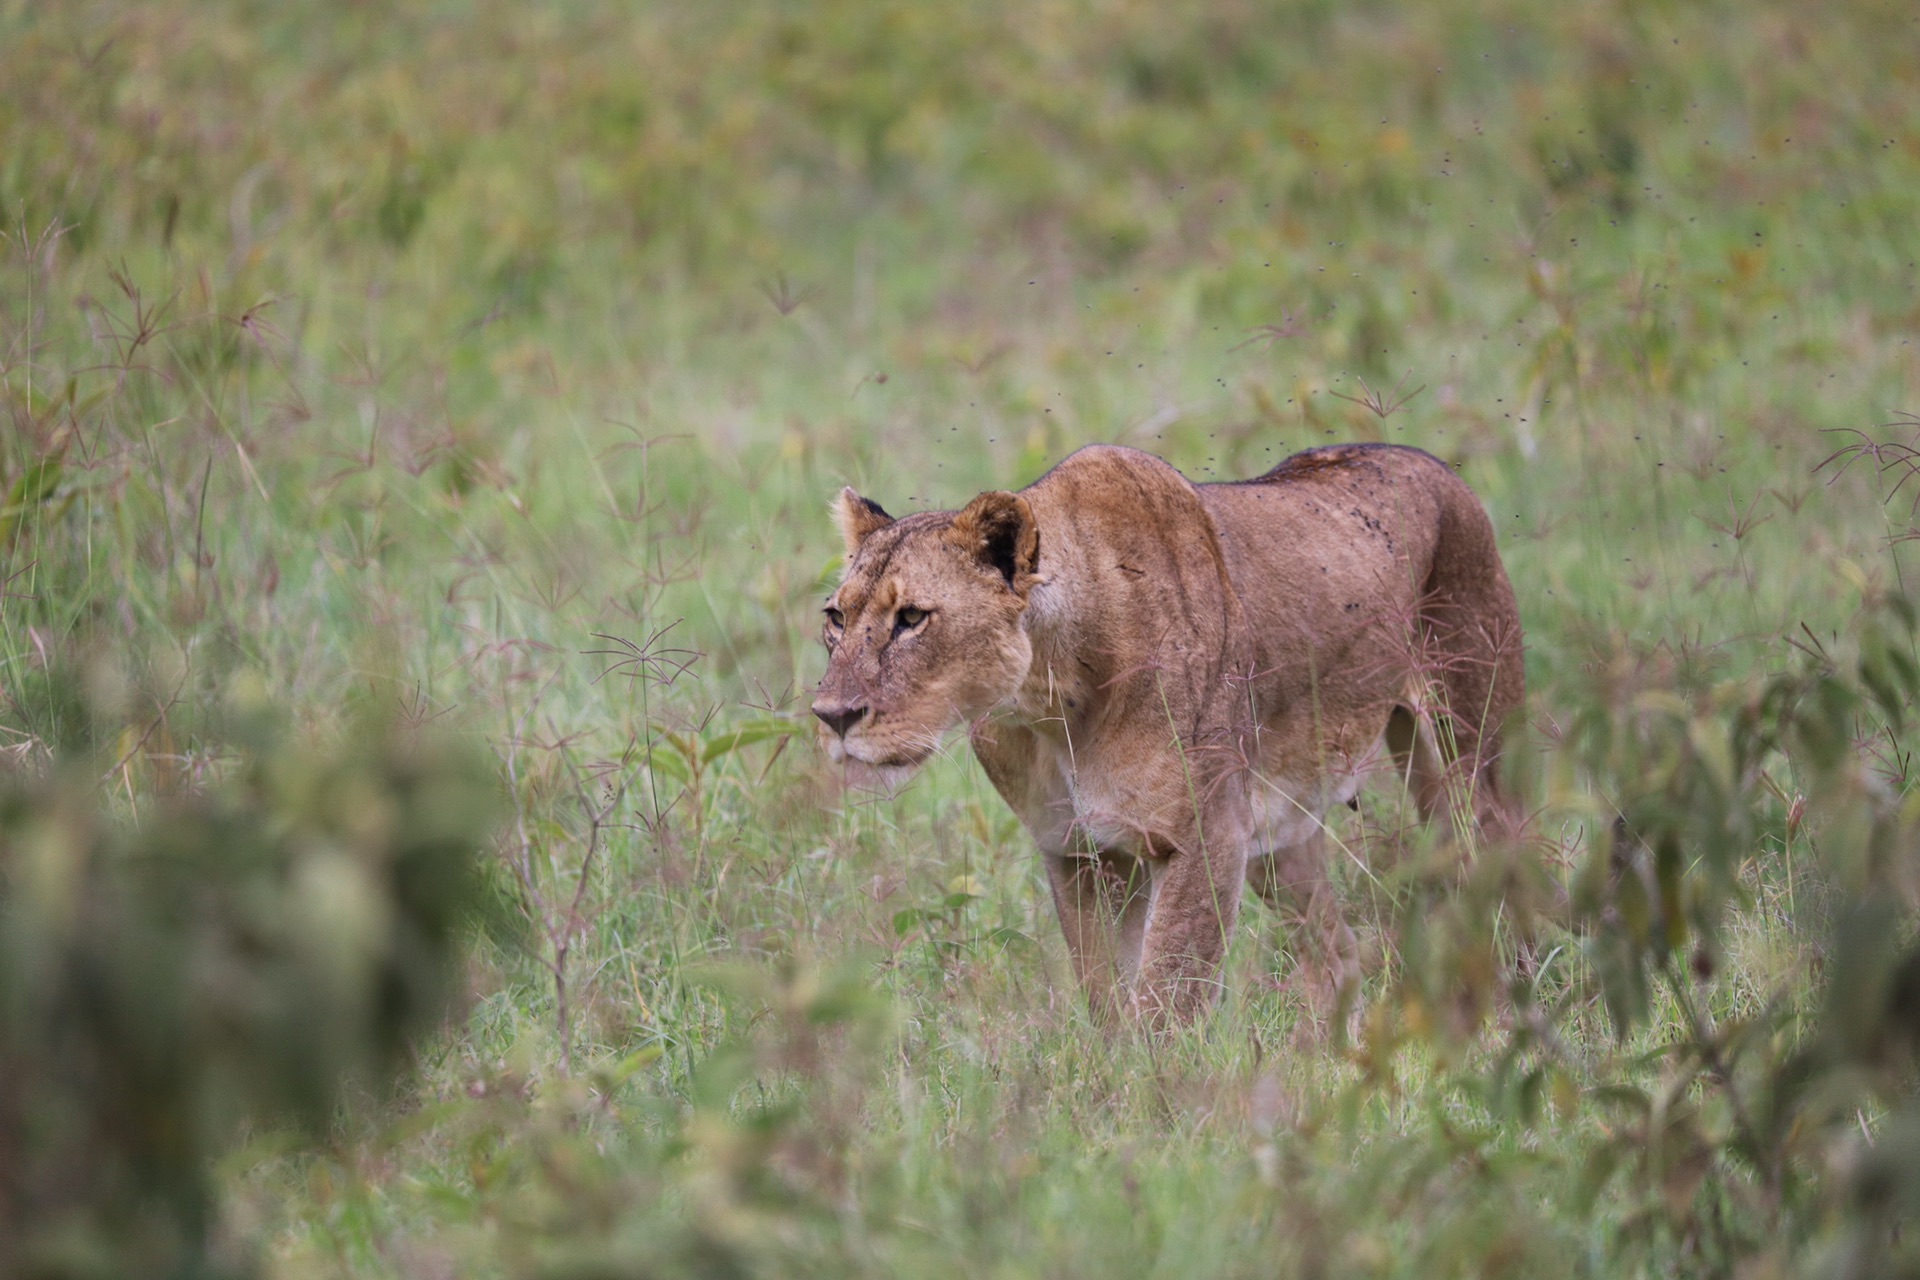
(1170, 683)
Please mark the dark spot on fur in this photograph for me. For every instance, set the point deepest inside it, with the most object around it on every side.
(1311, 461)
(1324, 462)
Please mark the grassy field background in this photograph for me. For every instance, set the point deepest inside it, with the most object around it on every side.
(492, 365)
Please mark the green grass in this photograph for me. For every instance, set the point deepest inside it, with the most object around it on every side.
(398, 361)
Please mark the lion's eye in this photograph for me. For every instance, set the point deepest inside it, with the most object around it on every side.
(907, 619)
(836, 619)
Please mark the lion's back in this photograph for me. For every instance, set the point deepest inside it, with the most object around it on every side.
(1329, 522)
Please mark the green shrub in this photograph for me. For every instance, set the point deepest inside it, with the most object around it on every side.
(235, 958)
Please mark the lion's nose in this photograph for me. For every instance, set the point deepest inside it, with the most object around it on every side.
(838, 716)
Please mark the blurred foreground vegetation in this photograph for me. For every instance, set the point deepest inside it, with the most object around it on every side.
(485, 369)
(241, 955)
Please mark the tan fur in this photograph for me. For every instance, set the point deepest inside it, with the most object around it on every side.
(1171, 683)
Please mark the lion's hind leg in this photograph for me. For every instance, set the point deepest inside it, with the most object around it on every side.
(1293, 882)
(1476, 665)
(1451, 766)
(1196, 898)
(1417, 759)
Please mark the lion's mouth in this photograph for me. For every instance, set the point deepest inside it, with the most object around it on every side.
(859, 752)
(887, 759)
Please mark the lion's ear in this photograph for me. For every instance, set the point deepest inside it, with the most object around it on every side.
(859, 518)
(999, 530)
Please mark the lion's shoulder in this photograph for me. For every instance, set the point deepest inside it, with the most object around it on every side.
(1108, 465)
(1112, 490)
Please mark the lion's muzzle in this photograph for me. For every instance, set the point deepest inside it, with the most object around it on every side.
(839, 716)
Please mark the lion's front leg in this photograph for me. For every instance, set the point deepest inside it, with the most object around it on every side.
(1102, 902)
(1196, 899)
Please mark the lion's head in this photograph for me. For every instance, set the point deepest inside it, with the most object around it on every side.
(925, 630)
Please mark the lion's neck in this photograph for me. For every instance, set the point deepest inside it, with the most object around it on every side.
(1063, 684)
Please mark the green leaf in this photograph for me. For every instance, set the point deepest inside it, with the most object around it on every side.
(1532, 1087)
(1599, 1170)
(623, 1070)
(36, 484)
(670, 764)
(1623, 979)
(1636, 912)
(745, 736)
(1627, 1096)
(1667, 874)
